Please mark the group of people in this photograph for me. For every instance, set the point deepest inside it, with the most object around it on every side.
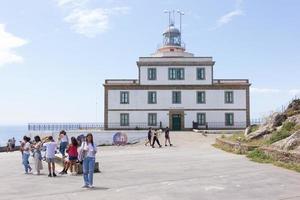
(153, 137)
(80, 150)
(11, 144)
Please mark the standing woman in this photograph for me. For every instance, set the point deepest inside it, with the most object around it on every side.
(89, 150)
(26, 153)
(64, 141)
(37, 154)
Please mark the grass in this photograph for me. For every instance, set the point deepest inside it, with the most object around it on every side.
(286, 131)
(260, 157)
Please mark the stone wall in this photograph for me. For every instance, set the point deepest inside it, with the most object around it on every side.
(281, 155)
(236, 147)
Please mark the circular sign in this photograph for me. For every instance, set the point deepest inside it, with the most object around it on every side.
(120, 138)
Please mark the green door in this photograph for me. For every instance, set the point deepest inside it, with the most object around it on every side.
(176, 122)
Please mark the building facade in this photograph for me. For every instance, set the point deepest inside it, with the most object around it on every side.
(176, 89)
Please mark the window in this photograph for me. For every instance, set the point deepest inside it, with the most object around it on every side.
(151, 73)
(151, 97)
(124, 119)
(201, 97)
(176, 97)
(200, 73)
(124, 97)
(176, 73)
(201, 119)
(152, 119)
(229, 119)
(228, 96)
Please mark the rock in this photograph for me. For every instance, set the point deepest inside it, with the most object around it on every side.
(263, 130)
(290, 143)
(295, 119)
(293, 108)
(248, 129)
(279, 119)
(273, 121)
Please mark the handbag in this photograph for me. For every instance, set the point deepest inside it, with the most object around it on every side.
(81, 153)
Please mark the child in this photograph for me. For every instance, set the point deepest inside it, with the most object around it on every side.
(167, 137)
(50, 155)
(149, 137)
(72, 156)
(25, 149)
(155, 138)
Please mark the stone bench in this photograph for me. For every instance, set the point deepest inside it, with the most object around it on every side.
(59, 160)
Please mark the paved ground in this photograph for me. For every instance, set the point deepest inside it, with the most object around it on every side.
(192, 169)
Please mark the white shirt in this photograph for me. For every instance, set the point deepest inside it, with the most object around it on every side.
(50, 149)
(90, 149)
(26, 146)
(65, 138)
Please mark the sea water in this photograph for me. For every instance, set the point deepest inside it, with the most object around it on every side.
(10, 131)
(100, 137)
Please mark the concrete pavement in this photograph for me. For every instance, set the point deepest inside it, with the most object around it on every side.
(192, 169)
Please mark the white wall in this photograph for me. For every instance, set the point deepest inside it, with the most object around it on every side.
(214, 118)
(138, 99)
(162, 76)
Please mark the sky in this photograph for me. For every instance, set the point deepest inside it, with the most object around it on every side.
(56, 54)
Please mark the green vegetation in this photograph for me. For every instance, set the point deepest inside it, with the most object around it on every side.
(284, 132)
(254, 128)
(260, 157)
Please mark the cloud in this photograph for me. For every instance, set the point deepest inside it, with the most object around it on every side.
(8, 42)
(87, 21)
(267, 91)
(294, 92)
(264, 90)
(228, 17)
(71, 3)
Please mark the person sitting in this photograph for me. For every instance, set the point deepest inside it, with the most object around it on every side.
(72, 157)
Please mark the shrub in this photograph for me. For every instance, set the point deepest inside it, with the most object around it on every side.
(258, 156)
(288, 126)
(279, 135)
(254, 128)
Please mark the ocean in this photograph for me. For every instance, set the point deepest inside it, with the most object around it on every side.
(100, 137)
(7, 132)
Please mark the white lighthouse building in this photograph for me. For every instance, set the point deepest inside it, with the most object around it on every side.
(178, 90)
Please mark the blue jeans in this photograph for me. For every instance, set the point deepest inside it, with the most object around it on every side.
(62, 148)
(25, 161)
(88, 170)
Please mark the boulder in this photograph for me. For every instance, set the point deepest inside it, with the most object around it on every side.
(293, 108)
(290, 143)
(295, 119)
(278, 119)
(263, 130)
(273, 121)
(249, 129)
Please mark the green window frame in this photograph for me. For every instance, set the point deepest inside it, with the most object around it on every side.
(176, 73)
(229, 119)
(124, 97)
(152, 97)
(124, 119)
(229, 97)
(176, 97)
(152, 119)
(201, 119)
(201, 73)
(151, 73)
(201, 97)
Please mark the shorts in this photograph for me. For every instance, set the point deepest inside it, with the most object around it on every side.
(50, 160)
(72, 158)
